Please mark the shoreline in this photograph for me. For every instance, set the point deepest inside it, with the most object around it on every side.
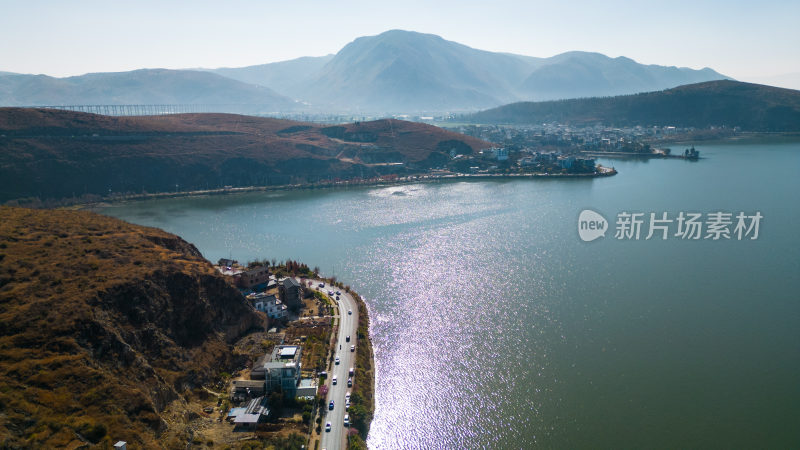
(609, 172)
(638, 155)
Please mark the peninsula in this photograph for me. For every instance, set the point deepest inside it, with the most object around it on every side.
(118, 332)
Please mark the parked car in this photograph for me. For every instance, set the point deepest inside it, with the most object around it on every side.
(352, 348)
(347, 420)
(328, 426)
(349, 382)
(352, 372)
(349, 312)
(322, 285)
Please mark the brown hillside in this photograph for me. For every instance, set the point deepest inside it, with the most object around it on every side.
(58, 154)
(102, 325)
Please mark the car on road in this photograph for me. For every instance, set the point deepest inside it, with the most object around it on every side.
(347, 396)
(338, 293)
(328, 426)
(352, 348)
(347, 420)
(337, 360)
(334, 379)
(347, 406)
(322, 285)
(352, 372)
(349, 312)
(330, 406)
(347, 338)
(349, 382)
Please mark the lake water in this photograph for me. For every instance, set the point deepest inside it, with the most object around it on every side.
(495, 326)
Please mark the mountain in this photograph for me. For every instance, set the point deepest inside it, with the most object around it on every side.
(403, 71)
(406, 71)
(288, 77)
(146, 86)
(394, 72)
(54, 154)
(752, 107)
(581, 74)
(104, 326)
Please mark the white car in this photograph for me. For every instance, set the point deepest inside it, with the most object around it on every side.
(328, 426)
(334, 379)
(347, 420)
(337, 360)
(350, 312)
(352, 348)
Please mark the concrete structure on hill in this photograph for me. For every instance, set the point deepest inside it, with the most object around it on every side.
(280, 369)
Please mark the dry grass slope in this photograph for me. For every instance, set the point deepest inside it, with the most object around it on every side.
(51, 154)
(102, 324)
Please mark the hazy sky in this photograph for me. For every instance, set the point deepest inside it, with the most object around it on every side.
(740, 39)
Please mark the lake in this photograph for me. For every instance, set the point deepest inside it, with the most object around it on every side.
(496, 326)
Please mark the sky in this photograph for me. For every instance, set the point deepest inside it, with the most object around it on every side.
(749, 41)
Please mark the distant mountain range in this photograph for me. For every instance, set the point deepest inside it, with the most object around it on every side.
(396, 71)
(752, 107)
(145, 86)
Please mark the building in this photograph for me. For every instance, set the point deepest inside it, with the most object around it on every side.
(290, 292)
(251, 415)
(269, 304)
(252, 278)
(280, 369)
(244, 389)
(307, 388)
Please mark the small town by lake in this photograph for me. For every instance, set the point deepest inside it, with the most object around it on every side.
(494, 325)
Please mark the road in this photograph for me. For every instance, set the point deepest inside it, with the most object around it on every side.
(348, 326)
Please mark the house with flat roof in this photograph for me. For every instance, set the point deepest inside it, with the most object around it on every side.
(280, 369)
(244, 389)
(253, 277)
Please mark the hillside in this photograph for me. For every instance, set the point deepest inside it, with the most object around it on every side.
(146, 86)
(752, 107)
(53, 154)
(102, 325)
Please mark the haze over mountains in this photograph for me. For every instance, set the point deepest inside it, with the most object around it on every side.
(144, 86)
(396, 71)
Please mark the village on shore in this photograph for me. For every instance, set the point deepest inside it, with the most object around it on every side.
(280, 390)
